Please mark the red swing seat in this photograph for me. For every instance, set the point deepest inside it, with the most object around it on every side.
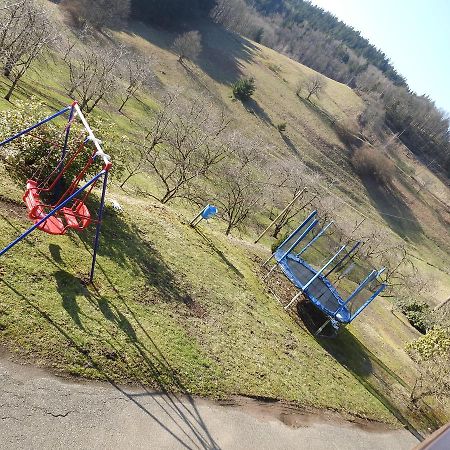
(77, 217)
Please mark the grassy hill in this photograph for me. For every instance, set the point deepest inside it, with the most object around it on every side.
(179, 309)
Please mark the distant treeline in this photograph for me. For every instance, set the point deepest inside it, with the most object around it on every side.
(300, 12)
(170, 12)
(319, 40)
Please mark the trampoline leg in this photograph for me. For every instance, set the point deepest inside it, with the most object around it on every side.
(267, 260)
(322, 327)
(293, 299)
(266, 276)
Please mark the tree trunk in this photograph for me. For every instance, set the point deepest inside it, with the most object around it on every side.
(167, 197)
(124, 102)
(126, 179)
(11, 89)
(277, 230)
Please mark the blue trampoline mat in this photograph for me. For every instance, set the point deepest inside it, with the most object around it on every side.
(320, 292)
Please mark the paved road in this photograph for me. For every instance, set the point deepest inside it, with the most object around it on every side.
(40, 411)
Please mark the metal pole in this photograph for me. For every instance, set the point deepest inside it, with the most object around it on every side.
(292, 234)
(99, 226)
(322, 327)
(51, 213)
(196, 217)
(48, 119)
(372, 275)
(305, 287)
(311, 242)
(379, 291)
(302, 236)
(279, 215)
(66, 138)
(296, 296)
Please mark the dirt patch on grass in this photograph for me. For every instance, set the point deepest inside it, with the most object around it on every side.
(295, 417)
(194, 307)
(11, 207)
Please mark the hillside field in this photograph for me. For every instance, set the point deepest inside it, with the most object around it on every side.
(175, 308)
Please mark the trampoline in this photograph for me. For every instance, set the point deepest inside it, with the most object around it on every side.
(340, 286)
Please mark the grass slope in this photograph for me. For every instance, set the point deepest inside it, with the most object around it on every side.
(183, 310)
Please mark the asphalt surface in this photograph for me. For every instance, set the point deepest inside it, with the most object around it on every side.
(40, 411)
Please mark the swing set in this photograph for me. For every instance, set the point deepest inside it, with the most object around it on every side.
(53, 207)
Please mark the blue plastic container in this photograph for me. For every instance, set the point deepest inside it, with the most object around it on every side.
(209, 211)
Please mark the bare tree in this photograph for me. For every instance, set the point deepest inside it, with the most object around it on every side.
(92, 75)
(239, 194)
(373, 117)
(313, 86)
(286, 182)
(153, 137)
(24, 33)
(66, 46)
(11, 15)
(184, 145)
(188, 46)
(137, 70)
(238, 16)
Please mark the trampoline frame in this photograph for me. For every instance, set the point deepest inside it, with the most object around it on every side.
(285, 259)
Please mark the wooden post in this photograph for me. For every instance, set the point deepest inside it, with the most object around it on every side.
(279, 215)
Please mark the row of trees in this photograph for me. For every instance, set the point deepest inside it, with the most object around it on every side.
(25, 31)
(314, 20)
(98, 14)
(317, 39)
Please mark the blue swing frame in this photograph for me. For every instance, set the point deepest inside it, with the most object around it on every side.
(72, 109)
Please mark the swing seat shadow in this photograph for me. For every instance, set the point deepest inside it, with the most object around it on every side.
(313, 319)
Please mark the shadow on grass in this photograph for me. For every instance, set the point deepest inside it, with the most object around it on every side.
(395, 211)
(371, 372)
(292, 147)
(55, 252)
(54, 249)
(345, 135)
(253, 107)
(126, 246)
(179, 416)
(213, 247)
(70, 287)
(323, 115)
(225, 54)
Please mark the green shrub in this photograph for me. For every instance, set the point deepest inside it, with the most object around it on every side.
(281, 127)
(417, 313)
(435, 343)
(244, 88)
(38, 153)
